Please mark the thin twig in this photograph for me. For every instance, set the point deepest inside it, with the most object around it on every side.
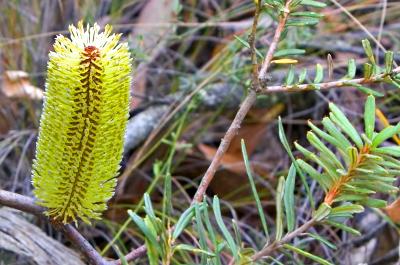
(274, 43)
(28, 205)
(267, 250)
(327, 85)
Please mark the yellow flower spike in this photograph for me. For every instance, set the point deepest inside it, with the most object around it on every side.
(83, 124)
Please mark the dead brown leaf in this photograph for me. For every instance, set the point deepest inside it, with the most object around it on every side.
(393, 211)
(16, 85)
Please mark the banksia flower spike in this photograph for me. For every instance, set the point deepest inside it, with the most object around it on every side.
(83, 124)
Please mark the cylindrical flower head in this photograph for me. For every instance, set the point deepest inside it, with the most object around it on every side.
(83, 123)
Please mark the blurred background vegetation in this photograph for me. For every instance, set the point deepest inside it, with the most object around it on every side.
(191, 72)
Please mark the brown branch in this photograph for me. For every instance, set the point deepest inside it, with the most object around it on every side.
(274, 43)
(268, 249)
(28, 205)
(327, 85)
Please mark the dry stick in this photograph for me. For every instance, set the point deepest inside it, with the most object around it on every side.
(28, 205)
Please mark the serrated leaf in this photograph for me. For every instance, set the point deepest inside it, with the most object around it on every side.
(369, 116)
(288, 198)
(307, 254)
(319, 74)
(287, 52)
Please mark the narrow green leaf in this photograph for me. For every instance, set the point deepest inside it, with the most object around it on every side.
(288, 198)
(368, 50)
(307, 14)
(369, 116)
(279, 209)
(322, 240)
(319, 74)
(329, 169)
(343, 227)
(288, 52)
(282, 138)
(322, 179)
(307, 254)
(320, 146)
(247, 45)
(389, 55)
(192, 249)
(254, 190)
(143, 227)
(353, 155)
(302, 22)
(183, 221)
(290, 76)
(302, 76)
(389, 150)
(228, 237)
(385, 134)
(313, 3)
(334, 132)
(341, 120)
(368, 70)
(148, 206)
(364, 89)
(374, 203)
(350, 197)
(323, 211)
(349, 208)
(201, 232)
(351, 69)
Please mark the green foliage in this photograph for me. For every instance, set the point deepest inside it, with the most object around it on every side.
(360, 170)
